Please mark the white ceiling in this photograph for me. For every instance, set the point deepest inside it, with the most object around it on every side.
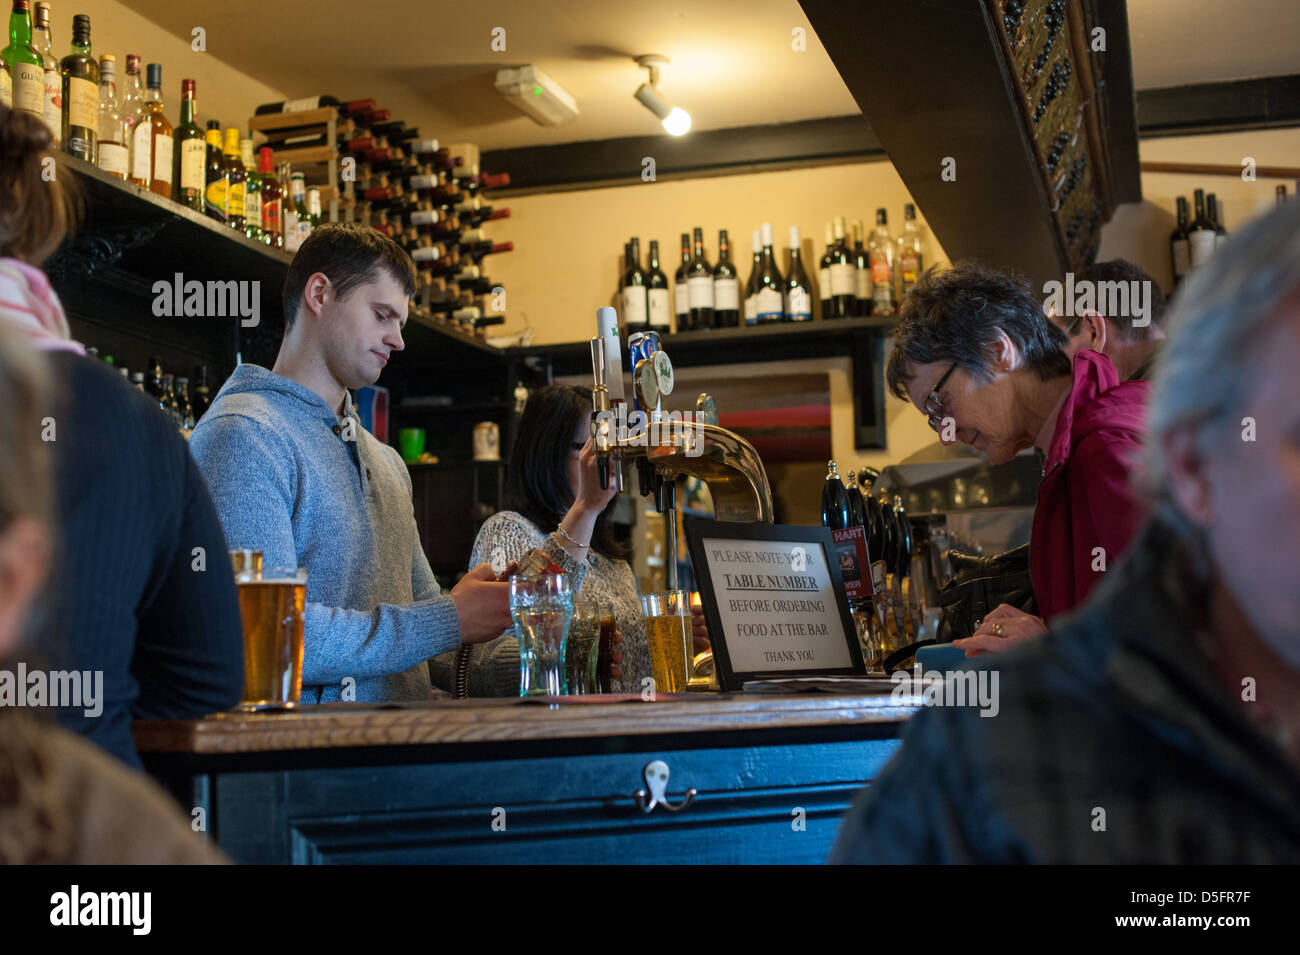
(732, 62)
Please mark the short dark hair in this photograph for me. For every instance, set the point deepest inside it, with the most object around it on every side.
(1122, 270)
(348, 253)
(955, 315)
(537, 480)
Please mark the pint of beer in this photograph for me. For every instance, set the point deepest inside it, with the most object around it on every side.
(668, 633)
(271, 604)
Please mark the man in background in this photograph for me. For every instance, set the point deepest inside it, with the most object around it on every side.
(1131, 345)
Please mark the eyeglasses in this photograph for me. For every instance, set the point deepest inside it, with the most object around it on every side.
(933, 406)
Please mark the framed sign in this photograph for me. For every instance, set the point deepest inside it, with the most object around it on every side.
(774, 601)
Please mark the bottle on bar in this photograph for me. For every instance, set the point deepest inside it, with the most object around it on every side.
(843, 280)
(295, 235)
(132, 106)
(770, 299)
(189, 177)
(661, 309)
(111, 151)
(699, 280)
(26, 65)
(824, 276)
(184, 405)
(44, 45)
(252, 191)
(751, 287)
(235, 213)
(798, 290)
(636, 301)
(1201, 234)
(272, 196)
(216, 181)
(308, 103)
(151, 160)
(80, 90)
(910, 261)
(1215, 210)
(1179, 251)
(861, 261)
(882, 267)
(681, 290)
(313, 209)
(726, 286)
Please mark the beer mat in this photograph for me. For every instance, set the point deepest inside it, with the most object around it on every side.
(869, 685)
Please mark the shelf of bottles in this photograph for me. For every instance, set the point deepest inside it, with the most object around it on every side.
(1194, 240)
(868, 278)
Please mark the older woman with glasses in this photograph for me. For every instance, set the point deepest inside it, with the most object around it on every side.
(976, 354)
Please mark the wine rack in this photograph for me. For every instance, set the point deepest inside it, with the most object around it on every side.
(318, 132)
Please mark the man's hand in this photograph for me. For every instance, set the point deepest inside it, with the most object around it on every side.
(1005, 627)
(482, 604)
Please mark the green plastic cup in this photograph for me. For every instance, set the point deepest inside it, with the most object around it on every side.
(410, 441)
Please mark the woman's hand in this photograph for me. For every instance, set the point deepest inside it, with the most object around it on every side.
(589, 495)
(699, 629)
(616, 658)
(1005, 627)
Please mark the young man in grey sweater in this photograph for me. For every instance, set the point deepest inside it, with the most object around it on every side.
(294, 475)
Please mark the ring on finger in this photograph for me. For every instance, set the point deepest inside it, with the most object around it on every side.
(997, 628)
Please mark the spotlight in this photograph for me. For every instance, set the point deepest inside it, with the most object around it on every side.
(676, 121)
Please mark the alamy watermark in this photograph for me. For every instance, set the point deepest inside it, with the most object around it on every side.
(177, 298)
(1114, 300)
(56, 688)
(978, 688)
(641, 430)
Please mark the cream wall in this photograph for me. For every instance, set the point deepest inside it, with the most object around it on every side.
(223, 92)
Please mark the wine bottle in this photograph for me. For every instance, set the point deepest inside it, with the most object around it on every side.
(216, 180)
(79, 74)
(301, 215)
(843, 280)
(1179, 253)
(310, 102)
(1215, 211)
(910, 261)
(636, 301)
(252, 191)
(191, 152)
(235, 213)
(726, 287)
(771, 287)
(824, 276)
(798, 290)
(151, 162)
(6, 85)
(111, 153)
(751, 287)
(132, 109)
(681, 288)
(699, 280)
(1201, 235)
(661, 309)
(882, 267)
(835, 502)
(862, 302)
(272, 196)
(44, 45)
(26, 65)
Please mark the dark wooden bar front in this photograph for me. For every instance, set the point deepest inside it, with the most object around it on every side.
(511, 781)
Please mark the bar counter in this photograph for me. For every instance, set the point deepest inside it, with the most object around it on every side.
(519, 781)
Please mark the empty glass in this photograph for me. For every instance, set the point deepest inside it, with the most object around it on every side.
(541, 608)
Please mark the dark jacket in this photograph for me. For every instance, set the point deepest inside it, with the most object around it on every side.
(1116, 717)
(125, 594)
(1085, 500)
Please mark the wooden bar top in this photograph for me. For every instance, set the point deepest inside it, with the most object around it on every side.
(339, 725)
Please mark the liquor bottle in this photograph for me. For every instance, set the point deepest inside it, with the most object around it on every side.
(132, 106)
(26, 65)
(272, 233)
(1179, 253)
(699, 281)
(313, 209)
(882, 267)
(185, 406)
(751, 287)
(770, 299)
(798, 290)
(236, 216)
(151, 159)
(910, 261)
(79, 87)
(1201, 235)
(843, 281)
(726, 286)
(189, 176)
(681, 288)
(112, 154)
(44, 45)
(835, 501)
(216, 181)
(252, 191)
(824, 275)
(296, 234)
(1215, 210)
(636, 301)
(661, 309)
(170, 406)
(862, 302)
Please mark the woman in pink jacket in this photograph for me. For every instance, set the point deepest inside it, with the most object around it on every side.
(975, 352)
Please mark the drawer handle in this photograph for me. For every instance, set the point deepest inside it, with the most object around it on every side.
(656, 780)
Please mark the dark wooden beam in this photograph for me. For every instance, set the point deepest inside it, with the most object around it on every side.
(1270, 101)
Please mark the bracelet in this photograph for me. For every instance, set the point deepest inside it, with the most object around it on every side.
(559, 528)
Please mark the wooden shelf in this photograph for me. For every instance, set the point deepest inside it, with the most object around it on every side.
(306, 156)
(310, 117)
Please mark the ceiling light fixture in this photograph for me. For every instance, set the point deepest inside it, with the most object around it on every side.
(676, 120)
